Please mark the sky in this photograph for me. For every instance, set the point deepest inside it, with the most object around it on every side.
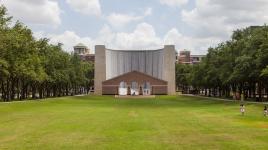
(138, 24)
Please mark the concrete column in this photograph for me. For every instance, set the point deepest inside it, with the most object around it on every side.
(169, 68)
(100, 68)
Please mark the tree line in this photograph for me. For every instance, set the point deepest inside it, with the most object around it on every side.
(31, 68)
(236, 67)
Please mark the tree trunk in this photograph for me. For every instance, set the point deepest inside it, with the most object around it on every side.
(66, 90)
(260, 91)
(33, 90)
(266, 93)
(18, 89)
(3, 91)
(12, 90)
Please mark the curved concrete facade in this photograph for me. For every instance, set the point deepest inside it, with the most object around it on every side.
(119, 62)
(158, 63)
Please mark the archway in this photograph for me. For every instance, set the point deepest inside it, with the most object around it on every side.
(146, 90)
(134, 89)
(122, 90)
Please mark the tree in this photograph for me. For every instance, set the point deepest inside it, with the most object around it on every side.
(31, 68)
(238, 65)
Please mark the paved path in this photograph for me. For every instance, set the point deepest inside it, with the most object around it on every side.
(81, 95)
(227, 100)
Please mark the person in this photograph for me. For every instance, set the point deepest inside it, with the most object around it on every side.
(242, 109)
(265, 111)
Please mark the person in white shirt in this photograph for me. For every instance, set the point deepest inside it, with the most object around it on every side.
(242, 109)
(265, 111)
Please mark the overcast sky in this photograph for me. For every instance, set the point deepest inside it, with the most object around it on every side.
(138, 24)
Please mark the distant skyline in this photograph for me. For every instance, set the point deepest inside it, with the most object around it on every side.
(126, 24)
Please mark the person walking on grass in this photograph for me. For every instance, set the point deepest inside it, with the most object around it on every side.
(242, 109)
(265, 111)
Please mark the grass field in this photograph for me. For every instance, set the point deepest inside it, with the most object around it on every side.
(106, 123)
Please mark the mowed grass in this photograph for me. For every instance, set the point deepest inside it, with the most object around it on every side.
(103, 122)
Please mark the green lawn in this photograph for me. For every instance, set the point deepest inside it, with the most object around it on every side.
(107, 123)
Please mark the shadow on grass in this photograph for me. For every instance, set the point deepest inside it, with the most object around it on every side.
(180, 102)
(159, 101)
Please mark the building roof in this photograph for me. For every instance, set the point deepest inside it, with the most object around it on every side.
(126, 78)
(132, 50)
(198, 55)
(80, 45)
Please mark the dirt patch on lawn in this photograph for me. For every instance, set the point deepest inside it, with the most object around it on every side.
(133, 114)
(265, 126)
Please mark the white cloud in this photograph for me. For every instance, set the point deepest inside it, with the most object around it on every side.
(174, 3)
(218, 18)
(145, 37)
(195, 44)
(142, 37)
(86, 7)
(119, 20)
(41, 12)
(148, 11)
(68, 39)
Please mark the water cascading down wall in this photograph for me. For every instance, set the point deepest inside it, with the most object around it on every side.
(158, 63)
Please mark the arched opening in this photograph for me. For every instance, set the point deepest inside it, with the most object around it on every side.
(134, 89)
(146, 88)
(122, 90)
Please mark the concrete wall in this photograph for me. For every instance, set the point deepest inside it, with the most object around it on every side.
(169, 68)
(119, 62)
(100, 68)
(168, 75)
